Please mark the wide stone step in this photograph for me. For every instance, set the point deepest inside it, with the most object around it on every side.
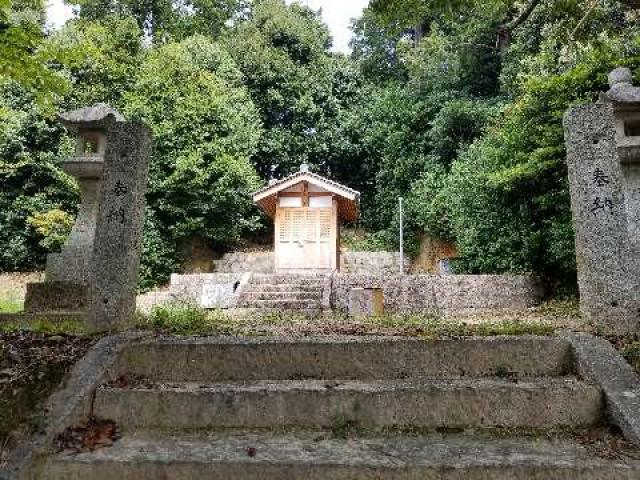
(227, 456)
(283, 296)
(310, 279)
(282, 304)
(468, 403)
(283, 287)
(223, 359)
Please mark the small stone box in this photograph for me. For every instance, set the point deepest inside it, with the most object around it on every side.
(366, 301)
(217, 295)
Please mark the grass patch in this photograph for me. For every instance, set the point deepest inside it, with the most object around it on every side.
(8, 305)
(427, 325)
(44, 327)
(184, 318)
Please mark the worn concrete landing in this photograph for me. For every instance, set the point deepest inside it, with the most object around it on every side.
(311, 457)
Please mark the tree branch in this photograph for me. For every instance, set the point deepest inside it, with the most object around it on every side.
(522, 17)
(504, 30)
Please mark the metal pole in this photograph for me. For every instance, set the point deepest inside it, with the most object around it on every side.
(401, 238)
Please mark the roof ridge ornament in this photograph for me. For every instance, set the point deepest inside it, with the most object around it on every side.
(304, 168)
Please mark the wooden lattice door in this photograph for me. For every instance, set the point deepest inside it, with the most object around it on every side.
(305, 238)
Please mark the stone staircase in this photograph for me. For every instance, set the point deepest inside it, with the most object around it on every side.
(346, 408)
(298, 292)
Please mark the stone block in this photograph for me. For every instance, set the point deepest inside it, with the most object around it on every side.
(55, 296)
(217, 295)
(366, 301)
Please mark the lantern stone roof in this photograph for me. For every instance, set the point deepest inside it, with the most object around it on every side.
(622, 92)
(348, 198)
(96, 116)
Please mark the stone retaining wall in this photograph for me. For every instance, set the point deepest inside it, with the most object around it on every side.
(239, 262)
(441, 294)
(189, 287)
(372, 263)
(368, 263)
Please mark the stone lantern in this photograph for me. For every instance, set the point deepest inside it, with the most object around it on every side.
(89, 126)
(68, 272)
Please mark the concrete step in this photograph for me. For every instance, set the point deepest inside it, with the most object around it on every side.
(282, 304)
(252, 296)
(247, 456)
(229, 359)
(463, 403)
(283, 287)
(283, 278)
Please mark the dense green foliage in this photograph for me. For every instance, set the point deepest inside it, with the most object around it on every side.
(493, 176)
(455, 106)
(167, 20)
(205, 128)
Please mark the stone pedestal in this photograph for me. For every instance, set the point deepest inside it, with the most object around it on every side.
(51, 297)
(366, 301)
(603, 159)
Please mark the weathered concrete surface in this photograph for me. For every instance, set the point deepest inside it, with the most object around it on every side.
(72, 405)
(300, 292)
(435, 294)
(279, 457)
(598, 361)
(222, 359)
(477, 403)
(397, 389)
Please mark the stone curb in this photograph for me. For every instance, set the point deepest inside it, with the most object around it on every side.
(598, 361)
(72, 405)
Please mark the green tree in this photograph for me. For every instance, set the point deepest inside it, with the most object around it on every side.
(205, 128)
(374, 47)
(24, 58)
(31, 182)
(301, 90)
(101, 58)
(167, 20)
(508, 194)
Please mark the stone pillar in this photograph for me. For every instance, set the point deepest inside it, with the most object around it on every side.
(118, 234)
(603, 160)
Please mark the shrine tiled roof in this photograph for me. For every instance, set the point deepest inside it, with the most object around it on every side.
(319, 180)
(348, 199)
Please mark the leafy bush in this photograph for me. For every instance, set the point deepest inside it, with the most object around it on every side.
(54, 227)
(508, 195)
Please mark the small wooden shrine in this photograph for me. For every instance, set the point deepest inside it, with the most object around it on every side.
(307, 210)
